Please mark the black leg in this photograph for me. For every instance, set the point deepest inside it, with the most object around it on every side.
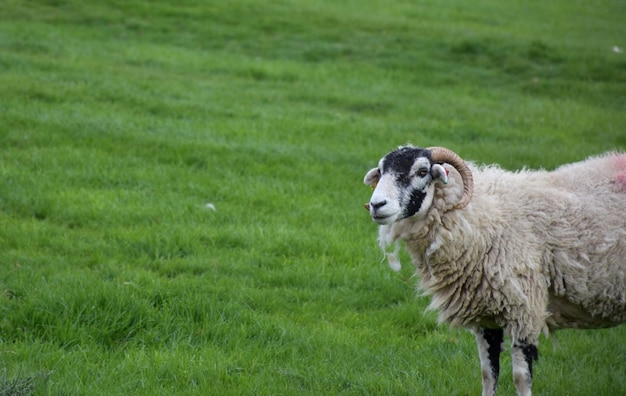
(523, 353)
(489, 343)
(494, 338)
(530, 354)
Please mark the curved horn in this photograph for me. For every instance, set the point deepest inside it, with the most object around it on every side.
(442, 154)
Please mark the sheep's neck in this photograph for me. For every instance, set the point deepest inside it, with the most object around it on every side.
(442, 253)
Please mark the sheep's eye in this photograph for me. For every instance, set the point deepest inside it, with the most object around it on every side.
(422, 172)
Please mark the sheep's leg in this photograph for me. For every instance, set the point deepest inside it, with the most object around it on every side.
(523, 353)
(489, 343)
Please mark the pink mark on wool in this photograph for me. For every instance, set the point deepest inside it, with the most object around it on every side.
(620, 165)
(620, 162)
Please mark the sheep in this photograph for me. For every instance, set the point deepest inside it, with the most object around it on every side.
(513, 253)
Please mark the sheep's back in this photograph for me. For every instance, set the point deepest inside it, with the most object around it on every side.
(585, 253)
(576, 217)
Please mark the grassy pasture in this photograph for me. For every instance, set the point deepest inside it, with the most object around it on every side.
(121, 121)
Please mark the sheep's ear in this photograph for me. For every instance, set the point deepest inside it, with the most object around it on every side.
(439, 173)
(372, 177)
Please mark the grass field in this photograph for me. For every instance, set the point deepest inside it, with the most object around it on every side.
(124, 123)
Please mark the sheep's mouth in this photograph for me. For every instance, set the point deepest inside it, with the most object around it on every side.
(386, 219)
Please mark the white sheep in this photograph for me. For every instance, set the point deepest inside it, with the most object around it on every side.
(515, 253)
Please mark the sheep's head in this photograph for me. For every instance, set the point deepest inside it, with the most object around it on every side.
(404, 182)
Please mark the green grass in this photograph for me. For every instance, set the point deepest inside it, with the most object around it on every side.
(121, 120)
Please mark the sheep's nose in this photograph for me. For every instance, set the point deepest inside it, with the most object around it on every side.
(379, 204)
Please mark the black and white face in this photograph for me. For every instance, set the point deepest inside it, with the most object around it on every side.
(403, 184)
